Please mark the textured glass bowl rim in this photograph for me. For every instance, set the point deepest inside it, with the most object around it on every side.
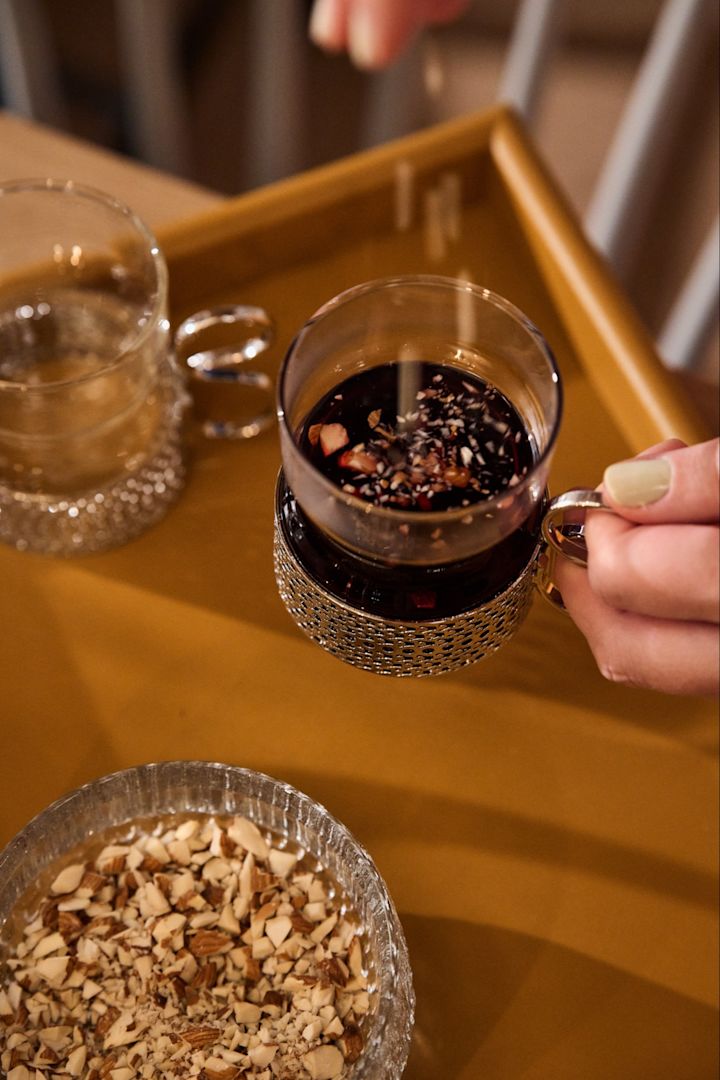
(436, 281)
(159, 294)
(18, 849)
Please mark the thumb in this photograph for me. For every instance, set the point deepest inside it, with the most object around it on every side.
(677, 485)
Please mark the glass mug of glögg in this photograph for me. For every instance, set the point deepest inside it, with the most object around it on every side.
(418, 417)
(92, 394)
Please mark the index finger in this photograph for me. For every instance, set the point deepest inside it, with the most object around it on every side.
(375, 32)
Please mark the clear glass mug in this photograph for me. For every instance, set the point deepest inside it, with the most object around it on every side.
(445, 574)
(92, 398)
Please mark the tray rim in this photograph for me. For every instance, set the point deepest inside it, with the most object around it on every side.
(645, 399)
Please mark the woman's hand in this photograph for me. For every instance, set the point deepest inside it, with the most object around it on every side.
(374, 32)
(649, 601)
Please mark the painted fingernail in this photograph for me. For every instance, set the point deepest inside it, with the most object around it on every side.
(637, 483)
(364, 43)
(323, 23)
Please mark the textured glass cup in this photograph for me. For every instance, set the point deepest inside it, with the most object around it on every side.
(92, 401)
(400, 589)
(187, 787)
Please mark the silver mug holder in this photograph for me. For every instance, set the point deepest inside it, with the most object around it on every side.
(435, 646)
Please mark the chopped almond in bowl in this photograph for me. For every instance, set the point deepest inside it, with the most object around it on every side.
(217, 941)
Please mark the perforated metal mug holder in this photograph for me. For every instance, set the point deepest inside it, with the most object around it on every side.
(430, 647)
(228, 363)
(393, 646)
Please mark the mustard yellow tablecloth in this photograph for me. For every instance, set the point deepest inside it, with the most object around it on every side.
(549, 839)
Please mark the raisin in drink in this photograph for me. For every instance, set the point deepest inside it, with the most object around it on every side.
(417, 420)
(460, 442)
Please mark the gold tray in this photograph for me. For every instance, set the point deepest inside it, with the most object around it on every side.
(548, 837)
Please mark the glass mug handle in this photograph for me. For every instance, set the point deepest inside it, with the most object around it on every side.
(564, 538)
(226, 363)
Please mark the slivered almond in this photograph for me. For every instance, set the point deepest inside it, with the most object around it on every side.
(76, 1061)
(68, 880)
(209, 942)
(301, 925)
(246, 833)
(92, 883)
(262, 1055)
(246, 1012)
(221, 1072)
(106, 1021)
(69, 926)
(332, 438)
(358, 461)
(200, 1036)
(324, 1063)
(351, 1042)
(53, 969)
(355, 957)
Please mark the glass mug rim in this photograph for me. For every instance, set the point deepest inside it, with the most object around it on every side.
(430, 281)
(158, 296)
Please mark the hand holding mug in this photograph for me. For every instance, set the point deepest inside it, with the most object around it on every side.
(649, 601)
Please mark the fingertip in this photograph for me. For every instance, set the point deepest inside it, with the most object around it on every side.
(663, 447)
(378, 31)
(366, 45)
(326, 28)
(616, 475)
(675, 483)
(637, 483)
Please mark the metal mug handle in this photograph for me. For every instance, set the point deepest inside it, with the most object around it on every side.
(564, 538)
(226, 363)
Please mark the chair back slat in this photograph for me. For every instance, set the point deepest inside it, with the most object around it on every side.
(644, 136)
(536, 30)
(694, 315)
(28, 63)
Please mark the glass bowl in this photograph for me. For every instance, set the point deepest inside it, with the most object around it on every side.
(181, 787)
